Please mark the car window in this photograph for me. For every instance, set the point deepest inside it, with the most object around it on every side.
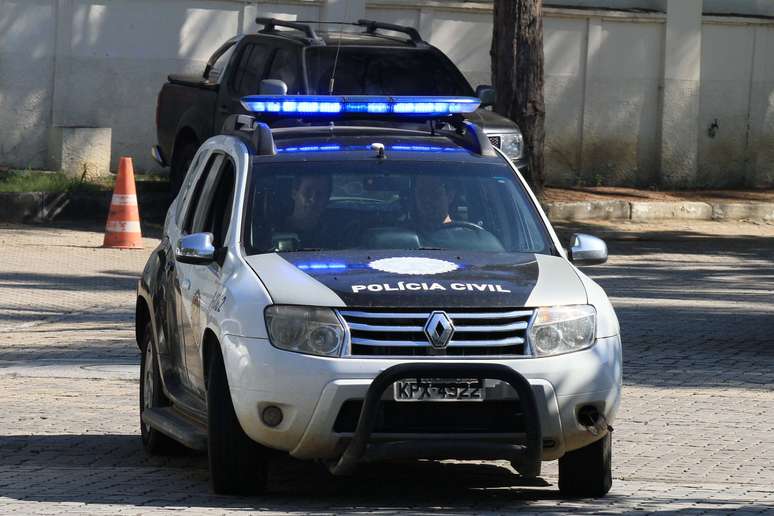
(380, 71)
(213, 164)
(286, 68)
(214, 212)
(395, 204)
(250, 69)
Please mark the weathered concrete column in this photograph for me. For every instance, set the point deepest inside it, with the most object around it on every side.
(682, 81)
(342, 10)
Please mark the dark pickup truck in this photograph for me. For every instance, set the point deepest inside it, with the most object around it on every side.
(368, 58)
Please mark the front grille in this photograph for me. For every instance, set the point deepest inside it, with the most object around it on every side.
(400, 332)
(495, 140)
(394, 417)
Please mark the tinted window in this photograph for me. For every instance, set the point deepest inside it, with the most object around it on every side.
(394, 204)
(212, 165)
(214, 212)
(286, 68)
(384, 71)
(249, 72)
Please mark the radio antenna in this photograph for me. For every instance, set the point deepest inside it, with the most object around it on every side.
(338, 49)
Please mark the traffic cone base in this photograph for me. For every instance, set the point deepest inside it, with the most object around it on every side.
(122, 230)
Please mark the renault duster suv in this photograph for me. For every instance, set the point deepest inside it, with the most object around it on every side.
(360, 293)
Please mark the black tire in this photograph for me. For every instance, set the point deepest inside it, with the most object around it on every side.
(181, 161)
(587, 472)
(238, 465)
(154, 442)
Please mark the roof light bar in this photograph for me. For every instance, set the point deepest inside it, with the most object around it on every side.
(324, 105)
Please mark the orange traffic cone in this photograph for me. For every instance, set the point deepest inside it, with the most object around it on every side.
(123, 224)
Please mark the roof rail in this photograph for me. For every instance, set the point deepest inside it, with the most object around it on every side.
(372, 26)
(270, 23)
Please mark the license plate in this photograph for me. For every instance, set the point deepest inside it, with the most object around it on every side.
(439, 390)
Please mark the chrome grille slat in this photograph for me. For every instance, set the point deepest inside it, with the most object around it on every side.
(370, 327)
(401, 332)
(511, 341)
(384, 315)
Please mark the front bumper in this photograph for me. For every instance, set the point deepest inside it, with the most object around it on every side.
(311, 391)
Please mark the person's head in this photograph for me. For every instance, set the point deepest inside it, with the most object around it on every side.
(432, 197)
(310, 194)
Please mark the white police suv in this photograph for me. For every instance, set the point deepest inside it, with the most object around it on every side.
(343, 288)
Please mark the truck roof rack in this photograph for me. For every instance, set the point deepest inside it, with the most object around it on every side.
(372, 26)
(269, 25)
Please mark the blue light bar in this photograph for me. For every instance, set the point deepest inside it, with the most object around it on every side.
(322, 266)
(322, 105)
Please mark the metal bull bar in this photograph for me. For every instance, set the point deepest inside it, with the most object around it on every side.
(526, 454)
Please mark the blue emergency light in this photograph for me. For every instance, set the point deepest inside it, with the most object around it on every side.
(322, 105)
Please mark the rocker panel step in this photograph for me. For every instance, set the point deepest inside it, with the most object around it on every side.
(170, 422)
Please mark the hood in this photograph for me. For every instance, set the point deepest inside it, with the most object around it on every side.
(421, 279)
(491, 122)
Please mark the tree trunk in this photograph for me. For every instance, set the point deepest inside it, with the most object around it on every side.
(517, 75)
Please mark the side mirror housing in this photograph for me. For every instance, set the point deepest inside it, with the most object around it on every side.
(587, 250)
(273, 87)
(486, 94)
(196, 249)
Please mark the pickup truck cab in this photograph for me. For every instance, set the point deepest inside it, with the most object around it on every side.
(373, 59)
(350, 293)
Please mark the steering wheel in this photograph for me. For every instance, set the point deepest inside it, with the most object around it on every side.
(460, 224)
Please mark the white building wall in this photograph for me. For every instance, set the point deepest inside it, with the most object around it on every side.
(102, 63)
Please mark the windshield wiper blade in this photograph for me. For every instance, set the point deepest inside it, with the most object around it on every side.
(431, 248)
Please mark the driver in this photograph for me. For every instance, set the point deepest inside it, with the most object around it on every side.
(309, 195)
(432, 198)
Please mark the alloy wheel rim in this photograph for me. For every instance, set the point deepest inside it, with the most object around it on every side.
(147, 382)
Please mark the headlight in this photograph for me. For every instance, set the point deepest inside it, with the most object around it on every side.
(562, 329)
(314, 331)
(512, 145)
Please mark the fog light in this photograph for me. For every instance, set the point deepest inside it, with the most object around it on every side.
(272, 416)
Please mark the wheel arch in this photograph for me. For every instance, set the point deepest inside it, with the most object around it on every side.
(142, 316)
(210, 345)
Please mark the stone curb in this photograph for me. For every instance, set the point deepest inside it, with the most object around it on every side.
(647, 211)
(45, 206)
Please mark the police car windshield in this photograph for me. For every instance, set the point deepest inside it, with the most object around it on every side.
(384, 71)
(392, 204)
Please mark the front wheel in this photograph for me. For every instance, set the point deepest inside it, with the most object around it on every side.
(181, 162)
(237, 463)
(587, 472)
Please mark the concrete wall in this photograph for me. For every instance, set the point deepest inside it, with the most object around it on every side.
(630, 94)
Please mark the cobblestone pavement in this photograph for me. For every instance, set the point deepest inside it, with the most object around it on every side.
(695, 434)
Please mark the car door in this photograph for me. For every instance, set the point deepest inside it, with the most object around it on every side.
(245, 75)
(205, 282)
(183, 282)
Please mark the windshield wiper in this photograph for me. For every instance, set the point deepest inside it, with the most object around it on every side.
(431, 249)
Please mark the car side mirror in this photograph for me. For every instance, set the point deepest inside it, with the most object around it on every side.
(273, 87)
(587, 250)
(196, 249)
(486, 95)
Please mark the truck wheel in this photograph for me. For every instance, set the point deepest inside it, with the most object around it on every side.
(587, 472)
(181, 161)
(152, 396)
(238, 465)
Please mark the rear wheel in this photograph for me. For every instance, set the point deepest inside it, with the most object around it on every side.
(587, 472)
(181, 161)
(152, 396)
(238, 465)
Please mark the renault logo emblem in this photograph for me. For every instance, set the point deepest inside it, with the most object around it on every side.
(439, 329)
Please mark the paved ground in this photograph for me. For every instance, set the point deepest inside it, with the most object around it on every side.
(695, 434)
